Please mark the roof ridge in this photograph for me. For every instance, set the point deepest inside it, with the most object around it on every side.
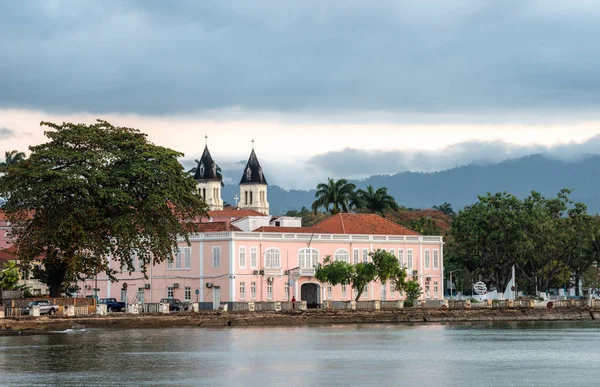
(395, 224)
(342, 221)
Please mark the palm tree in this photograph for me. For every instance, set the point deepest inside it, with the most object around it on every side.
(375, 201)
(193, 170)
(11, 158)
(333, 193)
(446, 208)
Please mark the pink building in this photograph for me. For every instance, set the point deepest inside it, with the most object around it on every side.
(244, 254)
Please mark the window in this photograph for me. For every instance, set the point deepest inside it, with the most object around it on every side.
(401, 256)
(427, 259)
(356, 256)
(308, 258)
(287, 291)
(393, 252)
(216, 250)
(178, 259)
(170, 263)
(436, 259)
(435, 290)
(123, 295)
(409, 258)
(170, 292)
(365, 293)
(253, 290)
(187, 295)
(253, 259)
(342, 255)
(427, 291)
(344, 294)
(242, 290)
(365, 255)
(272, 258)
(187, 257)
(392, 290)
(140, 296)
(270, 290)
(242, 257)
(329, 292)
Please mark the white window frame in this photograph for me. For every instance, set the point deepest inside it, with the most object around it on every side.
(170, 292)
(393, 252)
(329, 292)
(392, 290)
(287, 291)
(365, 293)
(178, 258)
(308, 258)
(187, 257)
(242, 290)
(365, 255)
(187, 294)
(273, 258)
(436, 290)
(436, 259)
(216, 252)
(269, 290)
(253, 290)
(401, 257)
(427, 259)
(242, 257)
(253, 257)
(427, 291)
(344, 291)
(170, 263)
(356, 253)
(140, 296)
(342, 255)
(124, 296)
(409, 259)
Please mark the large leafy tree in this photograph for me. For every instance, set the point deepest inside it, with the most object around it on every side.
(375, 201)
(383, 267)
(98, 191)
(334, 193)
(10, 158)
(9, 276)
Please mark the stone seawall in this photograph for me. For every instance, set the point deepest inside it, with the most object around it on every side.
(294, 318)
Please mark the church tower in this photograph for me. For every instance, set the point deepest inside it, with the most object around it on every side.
(209, 182)
(253, 186)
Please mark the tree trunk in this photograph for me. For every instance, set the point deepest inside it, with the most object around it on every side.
(360, 292)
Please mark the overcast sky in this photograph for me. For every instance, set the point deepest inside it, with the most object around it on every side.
(326, 88)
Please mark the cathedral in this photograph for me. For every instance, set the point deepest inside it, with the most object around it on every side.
(253, 184)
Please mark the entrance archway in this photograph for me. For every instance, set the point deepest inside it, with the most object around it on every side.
(311, 293)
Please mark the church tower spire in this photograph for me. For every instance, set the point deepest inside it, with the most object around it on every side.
(209, 179)
(253, 186)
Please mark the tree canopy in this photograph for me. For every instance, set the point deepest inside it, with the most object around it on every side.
(10, 158)
(334, 193)
(9, 276)
(383, 267)
(375, 201)
(98, 191)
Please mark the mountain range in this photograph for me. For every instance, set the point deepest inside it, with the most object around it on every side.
(461, 185)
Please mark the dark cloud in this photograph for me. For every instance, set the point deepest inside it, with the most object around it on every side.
(6, 133)
(355, 163)
(309, 57)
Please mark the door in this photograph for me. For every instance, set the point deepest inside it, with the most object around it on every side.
(216, 297)
(310, 293)
(383, 291)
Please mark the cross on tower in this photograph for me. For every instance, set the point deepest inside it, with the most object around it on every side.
(236, 198)
(252, 143)
(206, 139)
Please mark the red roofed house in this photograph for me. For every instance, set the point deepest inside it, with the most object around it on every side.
(243, 254)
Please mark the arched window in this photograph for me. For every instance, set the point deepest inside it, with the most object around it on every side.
(204, 193)
(342, 255)
(250, 197)
(308, 258)
(201, 169)
(272, 258)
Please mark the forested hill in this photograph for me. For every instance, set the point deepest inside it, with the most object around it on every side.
(461, 185)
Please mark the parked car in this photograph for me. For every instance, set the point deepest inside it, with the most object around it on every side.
(175, 305)
(46, 307)
(112, 305)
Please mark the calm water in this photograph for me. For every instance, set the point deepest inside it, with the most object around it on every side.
(507, 354)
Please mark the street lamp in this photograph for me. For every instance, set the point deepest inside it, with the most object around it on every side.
(452, 271)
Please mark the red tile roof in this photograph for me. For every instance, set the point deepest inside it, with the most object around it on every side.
(363, 224)
(216, 227)
(295, 230)
(233, 212)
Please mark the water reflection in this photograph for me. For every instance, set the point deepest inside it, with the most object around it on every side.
(517, 354)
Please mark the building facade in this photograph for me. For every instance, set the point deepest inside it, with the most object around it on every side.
(244, 254)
